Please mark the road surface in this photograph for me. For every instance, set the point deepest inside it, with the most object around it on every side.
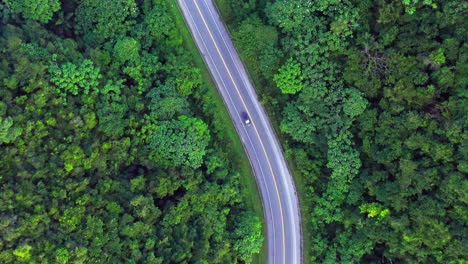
(280, 202)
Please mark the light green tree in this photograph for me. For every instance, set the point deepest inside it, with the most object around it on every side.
(438, 56)
(62, 255)
(249, 237)
(412, 5)
(374, 210)
(289, 77)
(23, 252)
(72, 79)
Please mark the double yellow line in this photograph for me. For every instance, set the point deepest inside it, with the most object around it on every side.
(256, 130)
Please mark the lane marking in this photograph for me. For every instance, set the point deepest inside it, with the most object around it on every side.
(254, 126)
(237, 111)
(276, 148)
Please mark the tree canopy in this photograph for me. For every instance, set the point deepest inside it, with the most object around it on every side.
(110, 151)
(371, 104)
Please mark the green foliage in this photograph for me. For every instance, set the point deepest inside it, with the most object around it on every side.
(373, 210)
(412, 5)
(8, 133)
(259, 47)
(160, 26)
(38, 10)
(63, 255)
(103, 20)
(249, 237)
(289, 77)
(377, 125)
(111, 114)
(75, 80)
(236, 11)
(438, 56)
(137, 184)
(288, 15)
(126, 49)
(179, 142)
(189, 78)
(354, 103)
(165, 103)
(23, 253)
(84, 176)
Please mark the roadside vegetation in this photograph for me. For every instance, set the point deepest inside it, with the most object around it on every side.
(369, 99)
(214, 108)
(115, 146)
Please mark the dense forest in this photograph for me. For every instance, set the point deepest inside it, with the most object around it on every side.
(370, 99)
(110, 151)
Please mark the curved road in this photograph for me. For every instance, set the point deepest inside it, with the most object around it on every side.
(278, 193)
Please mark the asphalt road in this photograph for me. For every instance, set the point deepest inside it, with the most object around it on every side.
(280, 202)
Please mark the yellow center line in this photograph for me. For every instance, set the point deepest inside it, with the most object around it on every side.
(253, 124)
